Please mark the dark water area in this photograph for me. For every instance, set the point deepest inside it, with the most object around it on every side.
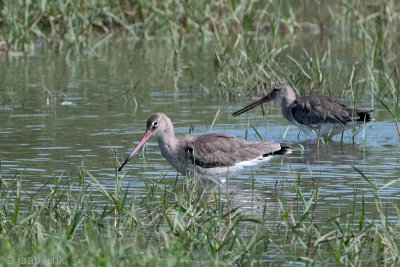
(56, 112)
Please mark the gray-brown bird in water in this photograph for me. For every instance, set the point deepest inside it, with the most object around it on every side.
(314, 114)
(212, 155)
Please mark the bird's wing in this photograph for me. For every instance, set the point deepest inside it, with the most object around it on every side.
(217, 150)
(310, 110)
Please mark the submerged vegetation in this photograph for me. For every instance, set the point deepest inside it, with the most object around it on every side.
(368, 31)
(254, 44)
(253, 40)
(181, 224)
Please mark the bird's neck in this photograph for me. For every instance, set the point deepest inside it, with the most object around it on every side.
(167, 141)
(168, 144)
(286, 104)
(288, 99)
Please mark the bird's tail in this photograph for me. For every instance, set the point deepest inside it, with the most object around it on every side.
(284, 150)
(365, 115)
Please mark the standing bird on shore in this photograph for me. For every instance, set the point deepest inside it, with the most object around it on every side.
(314, 114)
(212, 155)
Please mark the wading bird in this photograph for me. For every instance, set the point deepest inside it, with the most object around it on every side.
(314, 114)
(216, 156)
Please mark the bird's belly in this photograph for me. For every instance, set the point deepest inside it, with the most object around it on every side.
(220, 174)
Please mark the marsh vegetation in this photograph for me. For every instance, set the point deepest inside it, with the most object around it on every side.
(75, 73)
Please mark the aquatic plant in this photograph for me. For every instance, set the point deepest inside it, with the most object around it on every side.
(90, 24)
(187, 223)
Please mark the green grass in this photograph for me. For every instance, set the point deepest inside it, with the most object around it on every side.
(355, 44)
(182, 224)
(256, 44)
(85, 24)
(82, 24)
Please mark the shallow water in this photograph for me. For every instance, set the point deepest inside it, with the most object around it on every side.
(56, 113)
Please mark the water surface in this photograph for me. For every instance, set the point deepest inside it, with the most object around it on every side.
(57, 113)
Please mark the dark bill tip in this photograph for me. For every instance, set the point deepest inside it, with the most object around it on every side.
(123, 164)
(146, 136)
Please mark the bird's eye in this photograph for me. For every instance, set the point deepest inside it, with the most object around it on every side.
(155, 124)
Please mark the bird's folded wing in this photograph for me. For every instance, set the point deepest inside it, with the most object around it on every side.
(321, 109)
(216, 150)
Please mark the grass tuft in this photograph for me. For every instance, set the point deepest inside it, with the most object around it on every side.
(186, 223)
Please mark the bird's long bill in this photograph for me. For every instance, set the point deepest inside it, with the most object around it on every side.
(266, 98)
(146, 136)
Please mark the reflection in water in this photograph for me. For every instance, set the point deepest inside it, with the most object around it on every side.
(232, 197)
(56, 115)
(254, 203)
